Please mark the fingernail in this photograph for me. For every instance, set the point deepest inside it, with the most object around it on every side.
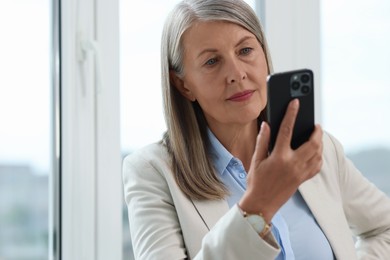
(263, 126)
(295, 103)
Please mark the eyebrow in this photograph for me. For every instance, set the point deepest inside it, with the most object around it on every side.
(205, 51)
(243, 39)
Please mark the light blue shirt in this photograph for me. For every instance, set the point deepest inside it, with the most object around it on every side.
(306, 237)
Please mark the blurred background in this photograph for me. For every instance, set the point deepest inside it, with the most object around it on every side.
(353, 89)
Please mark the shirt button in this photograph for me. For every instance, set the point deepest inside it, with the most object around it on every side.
(242, 175)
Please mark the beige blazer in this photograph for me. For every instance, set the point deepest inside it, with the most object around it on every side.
(165, 224)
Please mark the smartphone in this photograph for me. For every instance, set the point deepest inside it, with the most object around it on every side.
(281, 89)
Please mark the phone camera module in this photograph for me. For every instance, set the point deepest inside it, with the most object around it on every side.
(301, 84)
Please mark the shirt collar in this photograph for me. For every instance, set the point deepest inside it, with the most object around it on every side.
(220, 156)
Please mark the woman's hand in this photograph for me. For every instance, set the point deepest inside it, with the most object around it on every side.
(273, 179)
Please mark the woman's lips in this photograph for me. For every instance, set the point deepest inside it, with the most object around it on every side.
(241, 96)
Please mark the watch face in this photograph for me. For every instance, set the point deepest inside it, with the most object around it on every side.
(257, 222)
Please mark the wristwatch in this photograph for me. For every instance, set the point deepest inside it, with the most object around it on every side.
(258, 223)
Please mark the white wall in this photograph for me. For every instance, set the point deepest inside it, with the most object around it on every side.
(293, 33)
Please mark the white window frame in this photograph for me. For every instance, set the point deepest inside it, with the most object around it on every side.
(92, 191)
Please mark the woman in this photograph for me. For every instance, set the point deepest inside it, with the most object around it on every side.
(210, 190)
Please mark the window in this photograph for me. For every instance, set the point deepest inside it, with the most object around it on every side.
(91, 161)
(26, 129)
(356, 94)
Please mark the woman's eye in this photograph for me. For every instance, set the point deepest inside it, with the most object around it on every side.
(245, 51)
(211, 61)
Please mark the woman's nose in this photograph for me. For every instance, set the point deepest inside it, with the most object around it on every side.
(235, 72)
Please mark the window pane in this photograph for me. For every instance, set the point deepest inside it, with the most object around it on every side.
(25, 132)
(142, 120)
(356, 93)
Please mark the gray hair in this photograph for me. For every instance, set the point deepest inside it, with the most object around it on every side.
(186, 136)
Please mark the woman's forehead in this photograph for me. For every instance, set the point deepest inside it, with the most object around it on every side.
(210, 32)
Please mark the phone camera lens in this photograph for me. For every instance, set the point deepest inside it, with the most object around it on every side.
(305, 78)
(295, 85)
(305, 89)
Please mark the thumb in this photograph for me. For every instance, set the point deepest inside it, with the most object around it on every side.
(262, 142)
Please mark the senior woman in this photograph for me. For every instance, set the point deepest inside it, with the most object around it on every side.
(210, 190)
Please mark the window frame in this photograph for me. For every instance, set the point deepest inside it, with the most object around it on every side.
(91, 183)
(55, 177)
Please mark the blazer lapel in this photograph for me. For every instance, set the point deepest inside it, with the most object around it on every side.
(329, 216)
(211, 211)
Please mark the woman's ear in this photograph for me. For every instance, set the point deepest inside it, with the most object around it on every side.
(179, 84)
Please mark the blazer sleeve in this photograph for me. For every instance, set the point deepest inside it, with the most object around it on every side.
(367, 210)
(155, 228)
(154, 225)
(233, 238)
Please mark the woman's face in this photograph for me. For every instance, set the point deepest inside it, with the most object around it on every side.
(225, 70)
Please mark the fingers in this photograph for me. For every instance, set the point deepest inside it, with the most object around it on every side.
(313, 145)
(262, 142)
(314, 165)
(311, 151)
(273, 179)
(283, 139)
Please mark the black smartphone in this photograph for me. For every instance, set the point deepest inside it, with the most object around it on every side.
(282, 88)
